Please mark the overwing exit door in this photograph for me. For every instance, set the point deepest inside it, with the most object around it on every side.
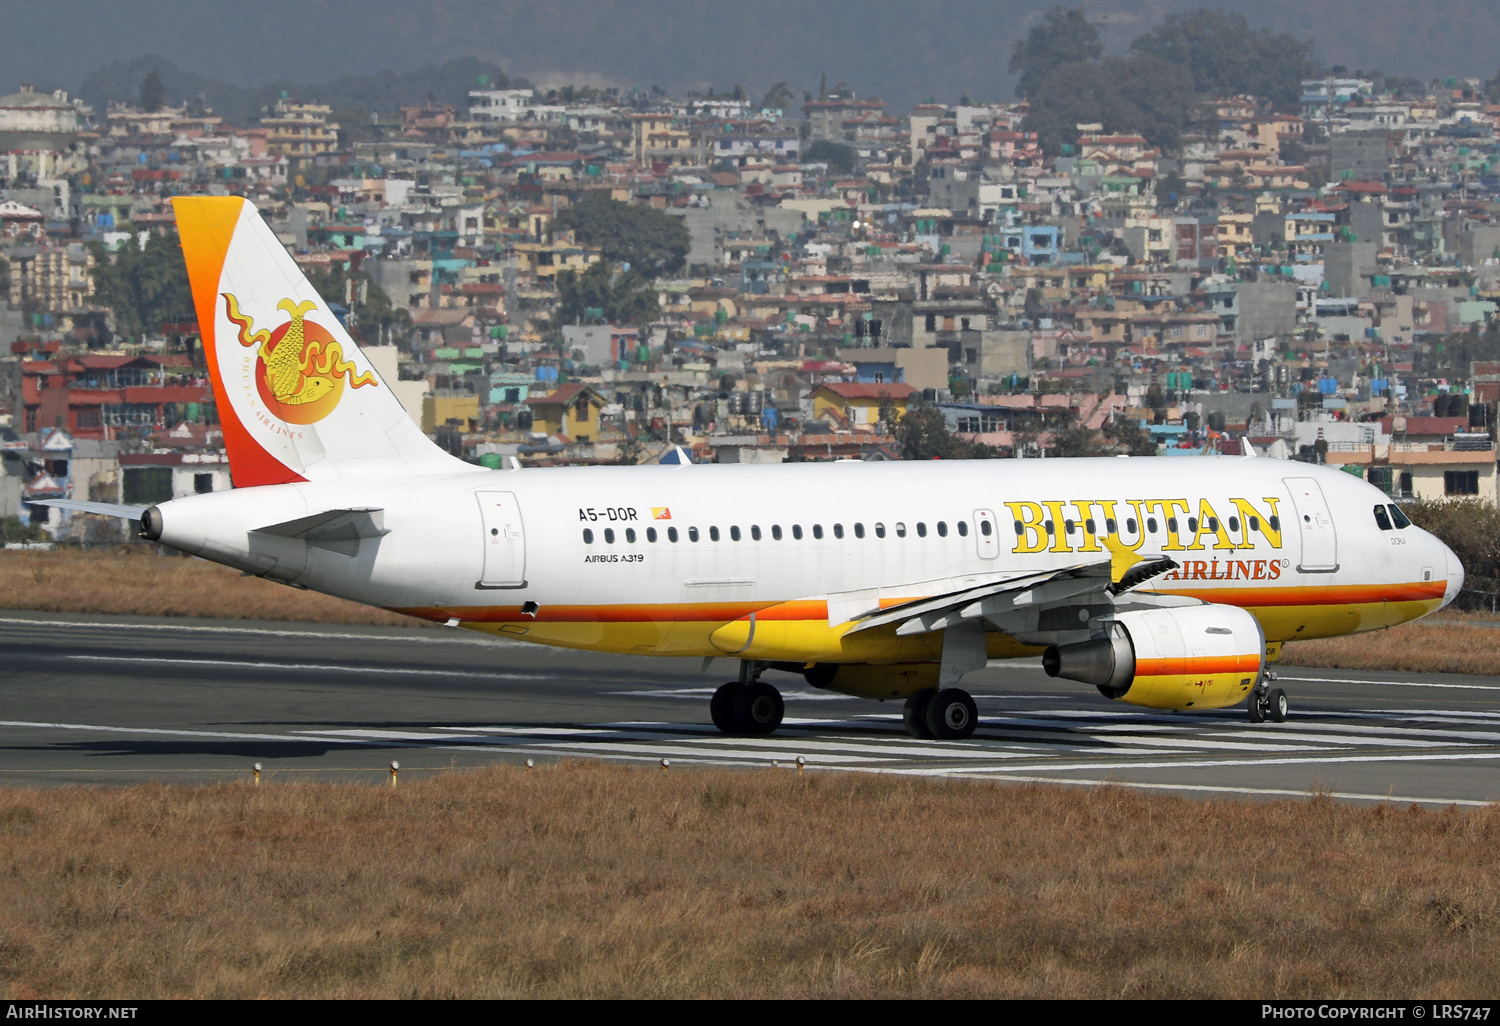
(504, 541)
(1320, 546)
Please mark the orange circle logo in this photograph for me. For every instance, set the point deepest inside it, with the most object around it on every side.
(300, 367)
(313, 396)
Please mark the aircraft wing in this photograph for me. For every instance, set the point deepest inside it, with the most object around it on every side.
(1048, 601)
(107, 509)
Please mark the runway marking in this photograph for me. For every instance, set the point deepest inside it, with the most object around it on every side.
(318, 667)
(1227, 789)
(1393, 683)
(418, 635)
(233, 736)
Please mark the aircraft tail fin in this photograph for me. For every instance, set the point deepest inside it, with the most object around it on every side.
(297, 399)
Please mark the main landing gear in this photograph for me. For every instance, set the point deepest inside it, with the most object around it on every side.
(948, 714)
(1267, 703)
(747, 707)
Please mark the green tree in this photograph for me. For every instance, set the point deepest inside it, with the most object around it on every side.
(1064, 36)
(1471, 528)
(1141, 94)
(153, 93)
(624, 299)
(922, 434)
(778, 97)
(144, 288)
(651, 242)
(1226, 57)
(371, 314)
(1077, 439)
(837, 156)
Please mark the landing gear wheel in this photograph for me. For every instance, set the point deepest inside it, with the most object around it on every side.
(914, 714)
(721, 707)
(951, 715)
(1276, 705)
(1256, 707)
(758, 709)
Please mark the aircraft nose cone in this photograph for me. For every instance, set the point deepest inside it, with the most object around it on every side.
(1455, 575)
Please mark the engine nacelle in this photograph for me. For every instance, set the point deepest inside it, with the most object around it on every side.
(1194, 657)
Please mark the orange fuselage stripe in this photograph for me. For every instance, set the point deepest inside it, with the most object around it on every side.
(812, 610)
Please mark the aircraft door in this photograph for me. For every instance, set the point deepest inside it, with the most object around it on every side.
(504, 541)
(986, 533)
(1320, 551)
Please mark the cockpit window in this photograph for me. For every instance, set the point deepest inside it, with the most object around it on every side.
(1398, 516)
(1381, 520)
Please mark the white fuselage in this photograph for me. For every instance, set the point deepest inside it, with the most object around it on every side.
(563, 556)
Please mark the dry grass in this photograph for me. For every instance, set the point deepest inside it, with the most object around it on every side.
(1443, 643)
(581, 880)
(136, 581)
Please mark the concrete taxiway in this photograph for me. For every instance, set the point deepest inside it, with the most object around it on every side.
(117, 699)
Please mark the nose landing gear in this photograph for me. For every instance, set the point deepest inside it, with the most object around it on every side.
(1267, 703)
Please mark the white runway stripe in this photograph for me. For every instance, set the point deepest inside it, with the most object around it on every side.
(314, 667)
(409, 635)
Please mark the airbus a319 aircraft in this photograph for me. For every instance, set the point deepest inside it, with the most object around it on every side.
(1167, 584)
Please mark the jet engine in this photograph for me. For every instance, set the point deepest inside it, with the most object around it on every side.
(1194, 657)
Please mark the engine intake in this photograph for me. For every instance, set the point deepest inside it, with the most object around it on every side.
(1199, 657)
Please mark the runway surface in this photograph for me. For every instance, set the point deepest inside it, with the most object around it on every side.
(87, 699)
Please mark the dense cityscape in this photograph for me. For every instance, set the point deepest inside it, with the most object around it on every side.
(1164, 253)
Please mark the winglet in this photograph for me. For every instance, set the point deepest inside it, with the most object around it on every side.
(1121, 558)
(1247, 451)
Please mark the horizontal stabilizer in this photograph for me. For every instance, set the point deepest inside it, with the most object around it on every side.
(338, 530)
(104, 509)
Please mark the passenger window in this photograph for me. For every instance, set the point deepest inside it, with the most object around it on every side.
(1234, 524)
(588, 536)
(1051, 528)
(838, 530)
(1275, 523)
(692, 534)
(818, 531)
(1088, 525)
(734, 533)
(1130, 525)
(1068, 527)
(630, 535)
(1193, 524)
(1111, 527)
(859, 530)
(609, 535)
(900, 529)
(797, 532)
(671, 534)
(651, 535)
(713, 534)
(776, 532)
(880, 530)
(963, 528)
(1255, 523)
(1020, 528)
(1213, 524)
(921, 529)
(1382, 520)
(987, 529)
(1399, 517)
(1151, 525)
(1171, 525)
(755, 532)
(942, 528)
